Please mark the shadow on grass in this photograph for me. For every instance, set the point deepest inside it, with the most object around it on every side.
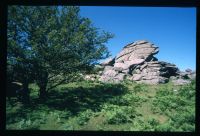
(81, 98)
(74, 99)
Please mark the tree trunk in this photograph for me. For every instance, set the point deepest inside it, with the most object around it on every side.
(43, 91)
(25, 94)
(43, 86)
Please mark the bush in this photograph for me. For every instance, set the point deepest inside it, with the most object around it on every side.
(153, 122)
(117, 114)
(127, 100)
(188, 91)
(165, 127)
(118, 100)
(188, 128)
(27, 124)
(180, 108)
(185, 117)
(83, 117)
(167, 100)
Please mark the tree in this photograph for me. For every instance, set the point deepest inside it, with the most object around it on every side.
(19, 66)
(52, 45)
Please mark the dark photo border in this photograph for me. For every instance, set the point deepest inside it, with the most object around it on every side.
(129, 3)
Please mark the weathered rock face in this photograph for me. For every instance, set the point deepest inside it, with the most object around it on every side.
(111, 75)
(154, 72)
(135, 53)
(136, 62)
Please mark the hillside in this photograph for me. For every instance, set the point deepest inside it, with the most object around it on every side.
(59, 75)
(87, 105)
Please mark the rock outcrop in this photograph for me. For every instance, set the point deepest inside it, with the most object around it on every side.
(154, 72)
(184, 77)
(136, 62)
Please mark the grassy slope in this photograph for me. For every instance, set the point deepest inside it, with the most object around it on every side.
(95, 106)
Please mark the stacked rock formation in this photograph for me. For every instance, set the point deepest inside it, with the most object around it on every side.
(184, 77)
(137, 62)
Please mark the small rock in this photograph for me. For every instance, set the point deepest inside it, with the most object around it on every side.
(120, 77)
(188, 70)
(181, 82)
(137, 77)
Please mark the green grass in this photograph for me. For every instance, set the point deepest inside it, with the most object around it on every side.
(117, 107)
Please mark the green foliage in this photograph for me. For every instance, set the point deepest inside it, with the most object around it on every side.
(51, 45)
(97, 106)
(127, 100)
(140, 88)
(178, 106)
(153, 122)
(27, 124)
(118, 114)
(167, 127)
(96, 69)
(188, 91)
(115, 89)
(187, 116)
(188, 127)
(129, 82)
(83, 117)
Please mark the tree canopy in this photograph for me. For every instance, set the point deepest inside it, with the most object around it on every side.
(49, 45)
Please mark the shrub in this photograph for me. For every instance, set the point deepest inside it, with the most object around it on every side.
(67, 126)
(153, 122)
(126, 100)
(188, 91)
(187, 127)
(27, 124)
(166, 100)
(118, 100)
(179, 108)
(118, 114)
(164, 127)
(83, 117)
(185, 117)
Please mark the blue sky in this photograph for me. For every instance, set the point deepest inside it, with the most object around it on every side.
(173, 30)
